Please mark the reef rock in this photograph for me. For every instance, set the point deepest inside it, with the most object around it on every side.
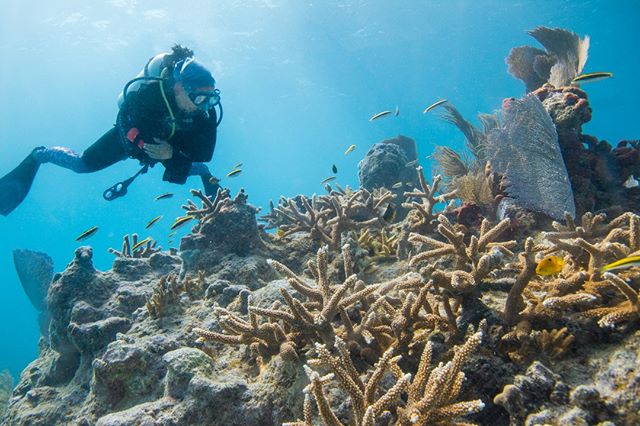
(385, 164)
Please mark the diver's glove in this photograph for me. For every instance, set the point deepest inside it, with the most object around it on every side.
(210, 185)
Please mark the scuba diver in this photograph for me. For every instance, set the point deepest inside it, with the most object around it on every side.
(167, 115)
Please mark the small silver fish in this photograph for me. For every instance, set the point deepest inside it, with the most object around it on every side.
(380, 114)
(327, 180)
(397, 112)
(396, 185)
(434, 105)
(412, 163)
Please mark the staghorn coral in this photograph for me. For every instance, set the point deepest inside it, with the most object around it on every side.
(143, 251)
(465, 255)
(224, 223)
(432, 393)
(424, 216)
(562, 60)
(380, 246)
(168, 289)
(326, 217)
(629, 310)
(523, 344)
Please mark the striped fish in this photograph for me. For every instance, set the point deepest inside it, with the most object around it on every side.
(625, 263)
(88, 233)
(140, 243)
(592, 76)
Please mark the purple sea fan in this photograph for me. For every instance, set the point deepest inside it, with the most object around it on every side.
(526, 152)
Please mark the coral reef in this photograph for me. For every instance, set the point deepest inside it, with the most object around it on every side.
(352, 314)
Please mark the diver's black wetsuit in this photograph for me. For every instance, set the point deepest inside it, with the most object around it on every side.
(145, 110)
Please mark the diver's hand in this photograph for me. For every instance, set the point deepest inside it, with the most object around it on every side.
(160, 150)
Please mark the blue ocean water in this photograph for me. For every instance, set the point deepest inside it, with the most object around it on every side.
(299, 81)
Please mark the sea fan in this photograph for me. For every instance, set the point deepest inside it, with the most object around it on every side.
(526, 151)
(562, 60)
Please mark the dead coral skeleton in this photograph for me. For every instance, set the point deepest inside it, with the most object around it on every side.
(144, 250)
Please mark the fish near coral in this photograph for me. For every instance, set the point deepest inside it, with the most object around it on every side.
(153, 221)
(550, 265)
(591, 77)
(625, 263)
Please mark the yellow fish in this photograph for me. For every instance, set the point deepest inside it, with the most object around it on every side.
(280, 233)
(350, 149)
(237, 166)
(627, 262)
(140, 243)
(434, 105)
(380, 114)
(152, 221)
(88, 233)
(181, 221)
(549, 265)
(234, 172)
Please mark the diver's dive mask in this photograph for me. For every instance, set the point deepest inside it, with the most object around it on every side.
(205, 100)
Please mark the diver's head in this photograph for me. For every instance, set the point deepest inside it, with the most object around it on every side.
(195, 87)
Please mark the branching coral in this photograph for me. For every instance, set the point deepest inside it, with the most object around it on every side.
(522, 344)
(325, 217)
(169, 288)
(426, 195)
(473, 254)
(629, 310)
(144, 250)
(432, 394)
(380, 246)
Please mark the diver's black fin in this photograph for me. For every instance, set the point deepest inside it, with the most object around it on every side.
(35, 271)
(15, 185)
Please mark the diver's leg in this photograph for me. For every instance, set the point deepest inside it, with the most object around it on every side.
(210, 185)
(104, 152)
